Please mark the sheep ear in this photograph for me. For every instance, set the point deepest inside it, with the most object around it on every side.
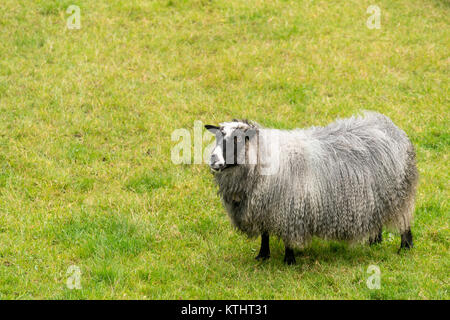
(212, 129)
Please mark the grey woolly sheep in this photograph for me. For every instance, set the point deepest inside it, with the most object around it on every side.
(344, 181)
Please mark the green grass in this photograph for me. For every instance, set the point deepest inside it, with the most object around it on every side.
(86, 118)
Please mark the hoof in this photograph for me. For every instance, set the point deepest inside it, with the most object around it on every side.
(405, 246)
(262, 257)
(376, 240)
(407, 240)
(289, 260)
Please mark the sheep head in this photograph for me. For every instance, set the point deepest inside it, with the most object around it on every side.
(232, 140)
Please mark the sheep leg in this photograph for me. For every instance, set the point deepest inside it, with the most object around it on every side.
(407, 240)
(377, 239)
(264, 251)
(289, 257)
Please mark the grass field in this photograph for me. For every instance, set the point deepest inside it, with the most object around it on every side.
(86, 117)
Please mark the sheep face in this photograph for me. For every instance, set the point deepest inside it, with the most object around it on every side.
(231, 141)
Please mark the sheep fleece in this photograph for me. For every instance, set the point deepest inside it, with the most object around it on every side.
(344, 181)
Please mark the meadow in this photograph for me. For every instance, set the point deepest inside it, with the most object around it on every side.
(86, 118)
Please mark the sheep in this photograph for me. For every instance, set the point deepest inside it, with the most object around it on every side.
(345, 181)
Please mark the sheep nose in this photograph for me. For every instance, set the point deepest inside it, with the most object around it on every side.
(217, 167)
(215, 164)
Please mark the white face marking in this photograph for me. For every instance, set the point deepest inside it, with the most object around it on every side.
(217, 156)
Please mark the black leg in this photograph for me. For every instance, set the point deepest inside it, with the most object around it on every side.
(407, 240)
(264, 252)
(289, 257)
(377, 239)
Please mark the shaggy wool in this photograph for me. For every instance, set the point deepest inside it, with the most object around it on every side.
(344, 181)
